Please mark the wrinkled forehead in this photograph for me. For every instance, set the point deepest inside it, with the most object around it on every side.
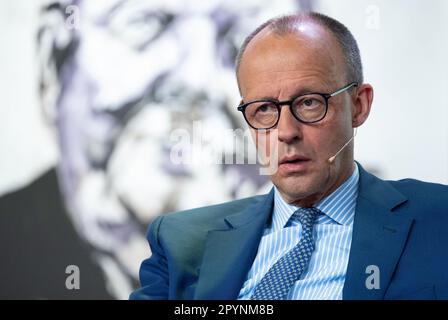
(153, 39)
(99, 8)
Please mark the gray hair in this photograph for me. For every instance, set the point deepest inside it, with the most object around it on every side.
(288, 24)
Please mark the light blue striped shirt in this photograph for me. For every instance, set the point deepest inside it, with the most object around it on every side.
(325, 276)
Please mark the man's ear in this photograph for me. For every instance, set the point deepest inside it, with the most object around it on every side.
(362, 103)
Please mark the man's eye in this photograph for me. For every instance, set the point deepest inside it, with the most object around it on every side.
(265, 108)
(268, 108)
(310, 102)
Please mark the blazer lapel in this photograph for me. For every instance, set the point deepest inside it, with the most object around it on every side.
(229, 253)
(379, 236)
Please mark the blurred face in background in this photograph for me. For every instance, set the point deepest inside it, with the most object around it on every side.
(137, 71)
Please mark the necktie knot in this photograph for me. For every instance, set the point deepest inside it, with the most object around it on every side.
(306, 216)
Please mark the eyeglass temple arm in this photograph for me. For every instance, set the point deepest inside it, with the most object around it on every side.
(343, 89)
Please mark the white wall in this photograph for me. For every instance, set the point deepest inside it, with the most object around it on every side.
(405, 60)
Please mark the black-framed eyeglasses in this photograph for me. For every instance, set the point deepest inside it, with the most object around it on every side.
(311, 107)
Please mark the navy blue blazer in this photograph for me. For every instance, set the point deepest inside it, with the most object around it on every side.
(399, 226)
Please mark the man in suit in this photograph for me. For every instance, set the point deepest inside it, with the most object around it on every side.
(328, 229)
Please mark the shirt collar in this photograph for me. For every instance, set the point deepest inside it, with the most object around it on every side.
(339, 206)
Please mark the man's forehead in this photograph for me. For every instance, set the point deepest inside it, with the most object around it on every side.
(306, 35)
(306, 46)
(289, 53)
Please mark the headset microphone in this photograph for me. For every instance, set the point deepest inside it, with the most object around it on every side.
(331, 160)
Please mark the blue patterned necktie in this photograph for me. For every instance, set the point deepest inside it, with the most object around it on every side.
(279, 280)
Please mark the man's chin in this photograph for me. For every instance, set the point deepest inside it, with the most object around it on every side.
(296, 187)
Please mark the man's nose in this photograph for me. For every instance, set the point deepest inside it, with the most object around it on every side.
(289, 128)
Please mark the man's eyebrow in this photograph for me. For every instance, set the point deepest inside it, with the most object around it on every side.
(306, 90)
(298, 92)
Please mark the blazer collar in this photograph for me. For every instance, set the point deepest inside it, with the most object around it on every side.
(379, 237)
(230, 252)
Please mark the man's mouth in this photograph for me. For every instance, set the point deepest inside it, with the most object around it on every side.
(294, 163)
(293, 159)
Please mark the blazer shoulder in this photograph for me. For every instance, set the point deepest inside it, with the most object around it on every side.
(191, 226)
(212, 212)
(422, 189)
(427, 199)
